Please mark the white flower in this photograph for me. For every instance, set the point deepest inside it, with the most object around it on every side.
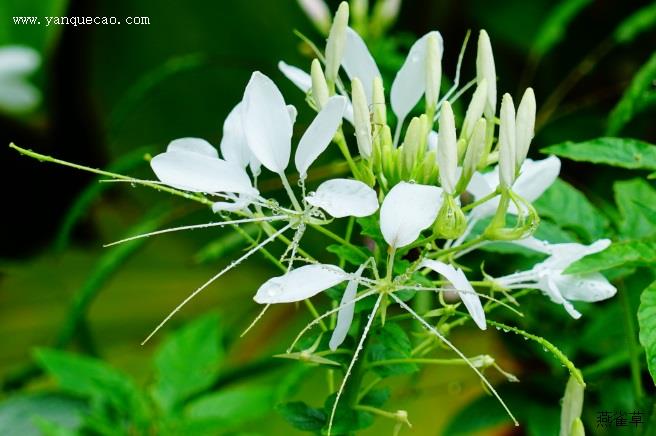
(535, 177)
(16, 93)
(358, 63)
(548, 275)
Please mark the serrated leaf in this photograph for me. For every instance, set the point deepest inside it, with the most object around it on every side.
(552, 30)
(229, 408)
(640, 21)
(618, 152)
(633, 198)
(626, 254)
(647, 323)
(352, 255)
(302, 416)
(390, 342)
(569, 208)
(188, 361)
(637, 97)
(94, 379)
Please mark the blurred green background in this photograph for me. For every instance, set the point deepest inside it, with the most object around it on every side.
(113, 93)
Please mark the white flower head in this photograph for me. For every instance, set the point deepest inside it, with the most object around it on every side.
(549, 277)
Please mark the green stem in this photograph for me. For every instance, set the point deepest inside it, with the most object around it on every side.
(43, 158)
(290, 192)
(425, 361)
(632, 342)
(338, 238)
(480, 201)
(573, 370)
(377, 411)
(343, 147)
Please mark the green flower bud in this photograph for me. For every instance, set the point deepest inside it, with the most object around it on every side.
(336, 42)
(474, 110)
(361, 119)
(485, 70)
(451, 221)
(319, 86)
(433, 73)
(507, 142)
(378, 102)
(473, 154)
(524, 125)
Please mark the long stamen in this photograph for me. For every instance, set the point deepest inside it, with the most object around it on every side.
(463, 291)
(458, 352)
(316, 321)
(219, 274)
(372, 315)
(257, 318)
(197, 226)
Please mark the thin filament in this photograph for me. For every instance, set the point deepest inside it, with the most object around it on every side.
(372, 315)
(219, 274)
(458, 352)
(257, 318)
(197, 226)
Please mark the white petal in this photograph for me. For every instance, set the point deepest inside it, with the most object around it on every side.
(299, 284)
(459, 281)
(18, 60)
(358, 62)
(585, 287)
(536, 176)
(410, 82)
(195, 172)
(408, 209)
(319, 134)
(345, 197)
(534, 244)
(193, 145)
(300, 78)
(551, 289)
(481, 185)
(226, 206)
(292, 112)
(234, 147)
(267, 123)
(345, 314)
(563, 255)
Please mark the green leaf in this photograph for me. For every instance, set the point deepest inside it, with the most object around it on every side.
(647, 323)
(633, 198)
(552, 31)
(390, 342)
(92, 378)
(569, 208)
(618, 152)
(302, 416)
(188, 361)
(638, 96)
(376, 397)
(18, 414)
(230, 407)
(346, 420)
(629, 253)
(642, 20)
(349, 253)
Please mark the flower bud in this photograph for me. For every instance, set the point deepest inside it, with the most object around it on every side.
(447, 149)
(359, 15)
(572, 406)
(507, 142)
(474, 110)
(336, 42)
(378, 102)
(320, 91)
(525, 126)
(485, 70)
(451, 221)
(384, 14)
(361, 118)
(433, 72)
(414, 145)
(474, 153)
(318, 12)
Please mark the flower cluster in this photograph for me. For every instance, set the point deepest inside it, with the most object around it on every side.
(432, 190)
